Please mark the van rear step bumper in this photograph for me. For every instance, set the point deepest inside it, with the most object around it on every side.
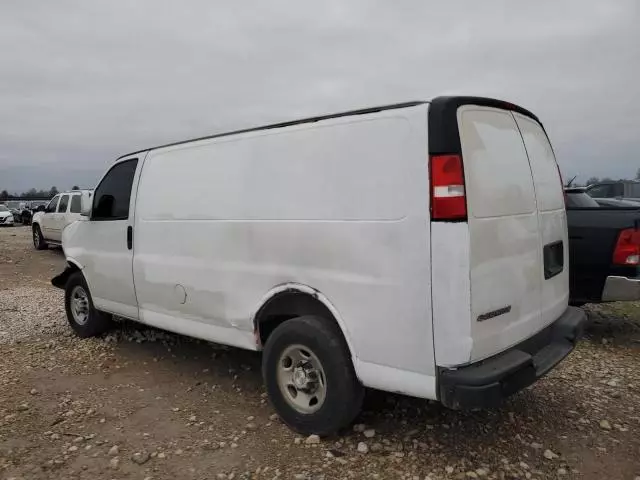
(487, 383)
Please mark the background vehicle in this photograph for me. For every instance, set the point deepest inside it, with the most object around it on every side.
(628, 190)
(616, 203)
(6, 218)
(353, 249)
(47, 225)
(604, 250)
(30, 208)
(15, 207)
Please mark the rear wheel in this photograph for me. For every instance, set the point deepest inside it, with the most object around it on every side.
(83, 318)
(309, 376)
(38, 239)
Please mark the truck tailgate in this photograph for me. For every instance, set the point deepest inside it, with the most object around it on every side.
(593, 233)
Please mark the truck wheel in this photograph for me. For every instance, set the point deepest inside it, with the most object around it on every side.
(84, 319)
(38, 240)
(309, 376)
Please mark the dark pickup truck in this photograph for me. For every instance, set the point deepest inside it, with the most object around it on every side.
(604, 250)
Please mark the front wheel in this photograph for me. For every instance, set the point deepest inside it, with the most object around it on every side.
(38, 239)
(309, 376)
(83, 318)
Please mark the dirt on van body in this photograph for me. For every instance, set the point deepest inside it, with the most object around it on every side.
(144, 404)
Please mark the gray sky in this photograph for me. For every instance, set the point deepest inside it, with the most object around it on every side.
(82, 82)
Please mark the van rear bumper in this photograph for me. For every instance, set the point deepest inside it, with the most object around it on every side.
(487, 383)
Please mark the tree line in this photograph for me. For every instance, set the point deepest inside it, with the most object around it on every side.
(592, 180)
(31, 194)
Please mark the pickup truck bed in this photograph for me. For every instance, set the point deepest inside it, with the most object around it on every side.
(593, 233)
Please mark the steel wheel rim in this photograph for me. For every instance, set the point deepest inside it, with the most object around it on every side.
(79, 305)
(301, 379)
(36, 237)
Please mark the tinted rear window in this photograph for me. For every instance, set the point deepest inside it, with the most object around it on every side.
(76, 204)
(580, 200)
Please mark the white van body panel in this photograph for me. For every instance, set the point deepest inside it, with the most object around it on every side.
(340, 206)
(451, 292)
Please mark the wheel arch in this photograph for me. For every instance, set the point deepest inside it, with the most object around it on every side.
(73, 264)
(60, 280)
(290, 300)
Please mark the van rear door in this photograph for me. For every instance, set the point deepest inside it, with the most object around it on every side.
(505, 253)
(552, 218)
(499, 239)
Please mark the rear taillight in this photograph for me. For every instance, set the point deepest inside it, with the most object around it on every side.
(627, 251)
(448, 199)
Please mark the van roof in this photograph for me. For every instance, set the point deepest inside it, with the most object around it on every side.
(444, 104)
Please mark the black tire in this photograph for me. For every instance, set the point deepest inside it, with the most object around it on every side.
(38, 239)
(344, 393)
(96, 322)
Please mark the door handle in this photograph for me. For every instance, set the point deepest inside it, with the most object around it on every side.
(129, 237)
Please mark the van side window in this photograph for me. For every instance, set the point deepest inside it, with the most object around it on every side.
(76, 204)
(64, 203)
(111, 199)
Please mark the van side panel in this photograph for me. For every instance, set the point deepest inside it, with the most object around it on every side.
(451, 293)
(340, 206)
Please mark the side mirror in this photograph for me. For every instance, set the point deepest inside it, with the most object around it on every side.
(41, 208)
(86, 202)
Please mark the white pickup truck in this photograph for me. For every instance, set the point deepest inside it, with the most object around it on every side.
(49, 221)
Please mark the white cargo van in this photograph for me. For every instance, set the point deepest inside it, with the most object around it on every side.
(418, 248)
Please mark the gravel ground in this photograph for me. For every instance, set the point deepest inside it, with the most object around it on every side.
(144, 404)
